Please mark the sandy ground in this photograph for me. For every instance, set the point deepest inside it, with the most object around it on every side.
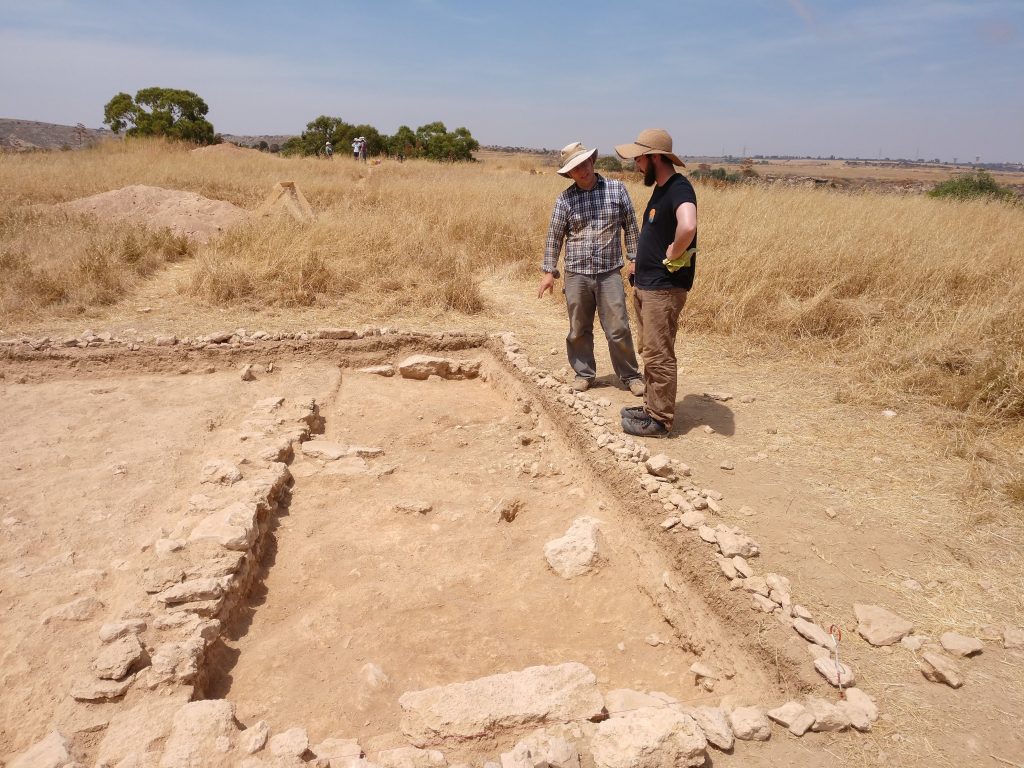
(898, 496)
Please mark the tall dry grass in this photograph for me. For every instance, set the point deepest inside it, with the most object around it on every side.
(917, 297)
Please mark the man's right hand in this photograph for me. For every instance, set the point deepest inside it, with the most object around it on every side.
(547, 283)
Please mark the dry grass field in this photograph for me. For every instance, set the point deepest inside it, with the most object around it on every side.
(829, 306)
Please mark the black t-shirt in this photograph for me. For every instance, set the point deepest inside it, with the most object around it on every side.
(658, 231)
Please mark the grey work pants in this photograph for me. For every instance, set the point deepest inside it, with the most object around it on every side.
(657, 314)
(605, 294)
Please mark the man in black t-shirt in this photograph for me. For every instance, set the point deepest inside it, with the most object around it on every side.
(666, 259)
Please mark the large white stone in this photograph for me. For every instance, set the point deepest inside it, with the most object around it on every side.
(793, 716)
(410, 757)
(827, 716)
(575, 553)
(542, 750)
(648, 738)
(533, 696)
(339, 753)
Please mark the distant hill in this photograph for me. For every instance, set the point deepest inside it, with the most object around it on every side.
(253, 141)
(29, 135)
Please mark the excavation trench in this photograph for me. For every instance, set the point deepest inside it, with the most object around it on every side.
(395, 572)
(376, 573)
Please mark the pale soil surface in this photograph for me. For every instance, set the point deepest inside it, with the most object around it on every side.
(901, 497)
(184, 213)
(452, 594)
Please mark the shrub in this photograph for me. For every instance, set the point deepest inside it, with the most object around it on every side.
(608, 163)
(965, 186)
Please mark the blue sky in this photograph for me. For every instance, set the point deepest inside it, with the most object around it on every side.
(900, 78)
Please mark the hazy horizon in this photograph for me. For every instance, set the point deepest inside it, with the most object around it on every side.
(921, 79)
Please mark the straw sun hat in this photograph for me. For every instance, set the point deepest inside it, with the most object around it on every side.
(574, 154)
(653, 141)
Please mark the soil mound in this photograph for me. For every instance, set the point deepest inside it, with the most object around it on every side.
(184, 213)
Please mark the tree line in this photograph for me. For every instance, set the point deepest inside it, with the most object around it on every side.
(181, 114)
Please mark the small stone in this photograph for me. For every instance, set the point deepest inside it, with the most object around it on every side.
(248, 372)
(707, 534)
(742, 567)
(292, 743)
(728, 466)
(220, 472)
(727, 566)
(802, 613)
(77, 610)
(828, 718)
(762, 603)
(117, 658)
(750, 724)
(379, 370)
(880, 626)
(794, 716)
(101, 690)
(254, 738)
(746, 511)
(693, 520)
(889, 413)
(413, 507)
(669, 523)
(659, 465)
(914, 642)
(826, 667)
(747, 399)
(715, 724)
(111, 632)
(812, 632)
(732, 544)
(1013, 637)
(324, 450)
(960, 645)
(939, 669)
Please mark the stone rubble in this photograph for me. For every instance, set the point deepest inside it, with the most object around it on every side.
(577, 552)
(880, 626)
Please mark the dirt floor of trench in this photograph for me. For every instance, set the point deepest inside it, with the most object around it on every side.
(356, 588)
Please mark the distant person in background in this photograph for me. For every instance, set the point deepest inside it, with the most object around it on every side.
(590, 217)
(329, 149)
(362, 149)
(666, 259)
(355, 148)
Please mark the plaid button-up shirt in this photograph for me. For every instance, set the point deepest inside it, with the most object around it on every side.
(589, 222)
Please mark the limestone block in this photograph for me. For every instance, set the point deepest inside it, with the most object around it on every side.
(648, 738)
(422, 367)
(471, 709)
(575, 553)
(117, 658)
(201, 732)
(82, 609)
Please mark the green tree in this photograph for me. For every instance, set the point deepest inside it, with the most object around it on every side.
(435, 142)
(608, 163)
(403, 142)
(318, 132)
(171, 112)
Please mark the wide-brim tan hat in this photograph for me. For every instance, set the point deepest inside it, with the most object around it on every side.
(574, 154)
(653, 141)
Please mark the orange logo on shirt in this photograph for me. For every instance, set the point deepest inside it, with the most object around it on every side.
(650, 216)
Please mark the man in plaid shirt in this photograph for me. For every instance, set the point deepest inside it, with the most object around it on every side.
(588, 217)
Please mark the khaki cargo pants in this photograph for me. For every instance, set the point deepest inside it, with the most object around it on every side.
(657, 313)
